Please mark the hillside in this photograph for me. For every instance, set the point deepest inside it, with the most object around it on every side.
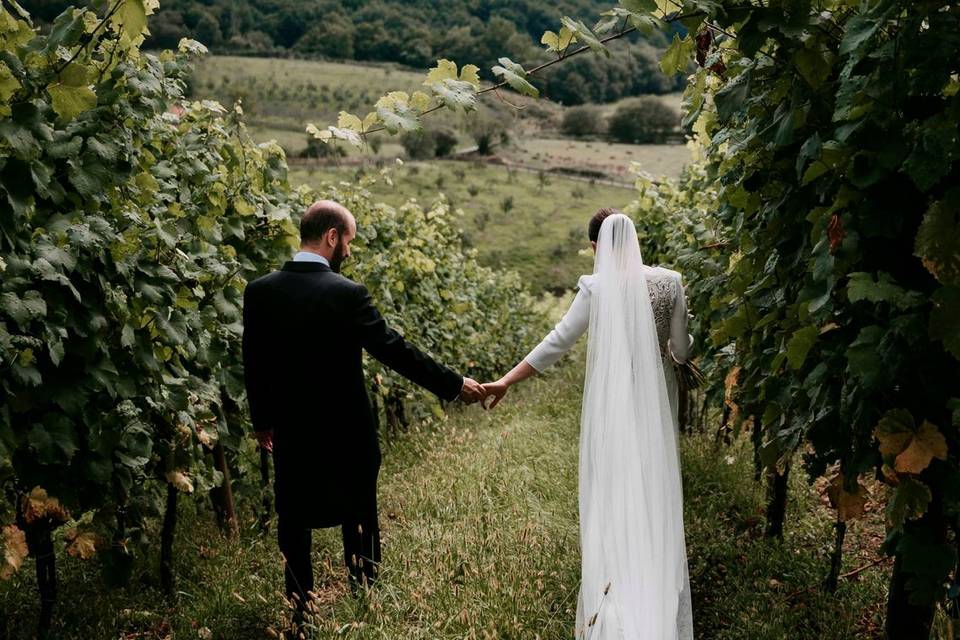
(414, 33)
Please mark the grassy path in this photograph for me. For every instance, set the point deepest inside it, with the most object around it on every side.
(479, 519)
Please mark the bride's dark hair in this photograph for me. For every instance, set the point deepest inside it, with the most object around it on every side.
(593, 229)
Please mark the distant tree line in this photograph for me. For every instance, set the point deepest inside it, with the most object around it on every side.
(410, 32)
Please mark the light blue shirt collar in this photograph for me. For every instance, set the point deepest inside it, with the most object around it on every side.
(306, 256)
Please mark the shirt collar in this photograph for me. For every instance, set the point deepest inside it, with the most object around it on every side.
(306, 256)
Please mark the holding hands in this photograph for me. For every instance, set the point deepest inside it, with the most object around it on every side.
(473, 392)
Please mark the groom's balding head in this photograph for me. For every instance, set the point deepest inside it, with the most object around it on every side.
(321, 217)
(327, 228)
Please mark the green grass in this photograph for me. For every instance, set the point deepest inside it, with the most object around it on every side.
(613, 159)
(479, 518)
(511, 222)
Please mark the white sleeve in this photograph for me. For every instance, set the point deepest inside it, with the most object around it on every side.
(680, 340)
(559, 341)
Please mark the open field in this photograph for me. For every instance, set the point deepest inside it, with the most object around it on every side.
(514, 220)
(611, 159)
(280, 96)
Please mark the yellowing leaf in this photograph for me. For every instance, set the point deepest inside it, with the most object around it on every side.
(848, 505)
(349, 121)
(180, 480)
(558, 42)
(38, 505)
(928, 443)
(469, 73)
(371, 119)
(894, 431)
(8, 83)
(445, 70)
(14, 551)
(69, 101)
(81, 545)
(420, 101)
(131, 17)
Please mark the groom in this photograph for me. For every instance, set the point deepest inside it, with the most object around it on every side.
(304, 329)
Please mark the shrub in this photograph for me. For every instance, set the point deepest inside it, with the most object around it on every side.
(582, 121)
(418, 145)
(428, 143)
(444, 142)
(644, 120)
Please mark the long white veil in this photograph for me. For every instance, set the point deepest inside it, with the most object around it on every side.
(631, 518)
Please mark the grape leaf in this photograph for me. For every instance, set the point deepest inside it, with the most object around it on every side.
(180, 480)
(800, 344)
(15, 551)
(938, 239)
(470, 73)
(131, 16)
(445, 70)
(515, 76)
(349, 121)
(69, 101)
(908, 502)
(81, 545)
(558, 42)
(894, 431)
(677, 55)
(849, 506)
(925, 445)
(456, 94)
(943, 319)
(885, 289)
(583, 33)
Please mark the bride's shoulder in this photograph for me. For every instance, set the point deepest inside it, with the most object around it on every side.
(667, 273)
(586, 281)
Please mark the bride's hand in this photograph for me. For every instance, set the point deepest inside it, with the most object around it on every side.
(495, 390)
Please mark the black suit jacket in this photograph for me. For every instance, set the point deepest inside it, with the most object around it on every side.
(304, 329)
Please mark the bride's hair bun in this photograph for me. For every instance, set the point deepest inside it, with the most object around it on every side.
(593, 229)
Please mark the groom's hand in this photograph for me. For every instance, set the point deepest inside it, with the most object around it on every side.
(472, 391)
(265, 439)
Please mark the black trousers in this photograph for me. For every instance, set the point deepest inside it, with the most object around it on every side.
(361, 549)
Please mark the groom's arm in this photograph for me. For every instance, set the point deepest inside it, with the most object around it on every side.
(255, 368)
(389, 347)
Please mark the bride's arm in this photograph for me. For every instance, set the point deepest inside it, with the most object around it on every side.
(559, 341)
(680, 340)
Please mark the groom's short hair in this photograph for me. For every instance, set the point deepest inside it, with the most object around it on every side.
(593, 229)
(320, 217)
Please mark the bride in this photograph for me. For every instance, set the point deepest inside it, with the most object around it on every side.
(634, 580)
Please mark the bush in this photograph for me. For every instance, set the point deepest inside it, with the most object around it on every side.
(486, 132)
(644, 120)
(420, 145)
(582, 121)
(444, 142)
(317, 149)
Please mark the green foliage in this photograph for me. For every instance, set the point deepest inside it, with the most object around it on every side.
(135, 220)
(644, 120)
(430, 143)
(831, 143)
(586, 120)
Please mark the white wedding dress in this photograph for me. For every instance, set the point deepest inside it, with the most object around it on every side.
(634, 579)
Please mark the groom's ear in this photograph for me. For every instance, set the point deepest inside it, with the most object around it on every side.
(332, 237)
